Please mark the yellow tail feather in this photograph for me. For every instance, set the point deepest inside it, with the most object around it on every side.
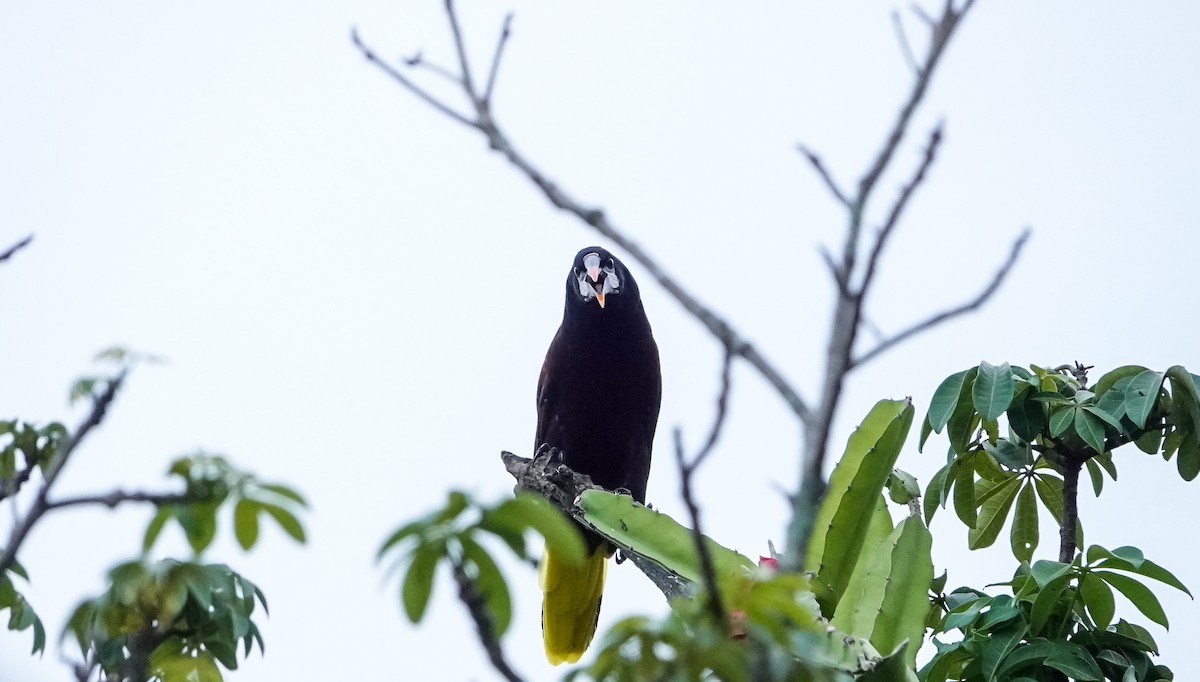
(570, 603)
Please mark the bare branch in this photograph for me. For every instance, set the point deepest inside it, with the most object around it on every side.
(835, 271)
(952, 313)
(902, 38)
(823, 173)
(906, 193)
(708, 575)
(15, 248)
(464, 64)
(418, 61)
(408, 84)
(469, 594)
(116, 497)
(686, 472)
(714, 433)
(505, 32)
(939, 38)
(40, 504)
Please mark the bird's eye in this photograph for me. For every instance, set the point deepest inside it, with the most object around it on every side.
(611, 264)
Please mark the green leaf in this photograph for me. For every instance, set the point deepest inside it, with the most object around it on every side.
(1049, 490)
(947, 397)
(1140, 396)
(409, 529)
(1046, 572)
(962, 426)
(655, 535)
(1098, 598)
(490, 583)
(994, 513)
(1075, 662)
(156, 525)
(284, 491)
(1010, 454)
(1111, 379)
(993, 390)
(1060, 420)
(854, 488)
(1138, 594)
(245, 522)
(286, 520)
(1090, 428)
(888, 603)
(504, 521)
(1000, 644)
(1096, 475)
(1024, 535)
(1027, 417)
(964, 491)
(559, 533)
(417, 586)
(199, 523)
(935, 493)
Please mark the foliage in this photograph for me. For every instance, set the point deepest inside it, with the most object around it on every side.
(171, 620)
(1059, 614)
(175, 619)
(454, 534)
(210, 482)
(26, 448)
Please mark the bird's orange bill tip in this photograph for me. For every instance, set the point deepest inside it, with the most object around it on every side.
(600, 298)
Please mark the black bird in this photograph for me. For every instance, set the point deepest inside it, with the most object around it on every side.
(597, 401)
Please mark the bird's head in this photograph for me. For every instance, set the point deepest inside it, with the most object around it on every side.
(598, 278)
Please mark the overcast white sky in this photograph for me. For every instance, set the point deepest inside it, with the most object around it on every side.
(355, 296)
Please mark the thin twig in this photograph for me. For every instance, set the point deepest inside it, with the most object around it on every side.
(902, 38)
(906, 193)
(116, 497)
(714, 433)
(418, 61)
(708, 575)
(40, 504)
(835, 271)
(952, 313)
(823, 173)
(464, 64)
(15, 248)
(469, 594)
(686, 471)
(408, 84)
(505, 32)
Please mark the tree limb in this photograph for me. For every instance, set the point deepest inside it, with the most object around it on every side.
(40, 504)
(561, 486)
(15, 248)
(469, 594)
(116, 497)
(952, 313)
(686, 471)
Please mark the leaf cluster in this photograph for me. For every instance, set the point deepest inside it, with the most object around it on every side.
(1058, 619)
(1053, 422)
(211, 482)
(454, 535)
(174, 620)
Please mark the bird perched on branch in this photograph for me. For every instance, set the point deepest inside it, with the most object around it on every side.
(597, 401)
